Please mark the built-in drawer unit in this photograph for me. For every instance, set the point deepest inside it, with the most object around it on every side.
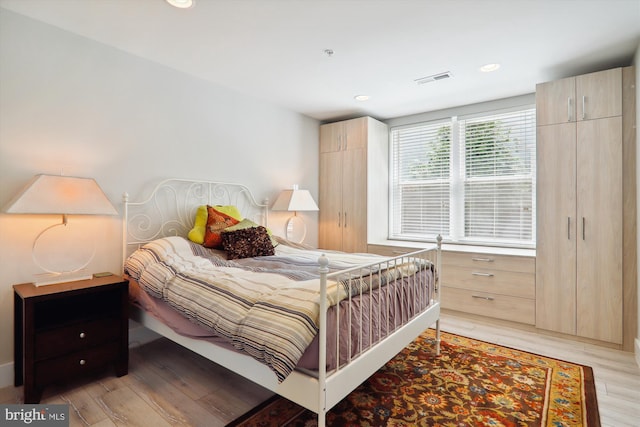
(499, 286)
(388, 250)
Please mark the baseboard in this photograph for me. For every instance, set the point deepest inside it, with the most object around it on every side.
(6, 375)
(637, 352)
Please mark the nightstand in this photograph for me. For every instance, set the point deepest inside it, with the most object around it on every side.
(67, 330)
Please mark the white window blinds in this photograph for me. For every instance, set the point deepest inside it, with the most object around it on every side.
(471, 180)
(421, 184)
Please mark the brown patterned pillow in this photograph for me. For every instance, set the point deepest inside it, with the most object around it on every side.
(247, 243)
(216, 222)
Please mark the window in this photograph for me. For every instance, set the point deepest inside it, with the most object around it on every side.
(470, 179)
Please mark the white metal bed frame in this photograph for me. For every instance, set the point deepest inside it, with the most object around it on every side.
(170, 210)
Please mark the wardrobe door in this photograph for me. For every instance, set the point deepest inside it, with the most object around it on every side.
(599, 95)
(555, 102)
(354, 200)
(556, 228)
(599, 260)
(330, 200)
(331, 137)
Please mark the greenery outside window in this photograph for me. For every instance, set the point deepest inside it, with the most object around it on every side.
(470, 179)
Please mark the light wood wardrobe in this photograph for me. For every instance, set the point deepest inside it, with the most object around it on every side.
(353, 174)
(585, 254)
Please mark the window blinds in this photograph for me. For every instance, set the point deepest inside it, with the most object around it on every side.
(470, 180)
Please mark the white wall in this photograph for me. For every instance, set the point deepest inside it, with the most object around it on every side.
(73, 105)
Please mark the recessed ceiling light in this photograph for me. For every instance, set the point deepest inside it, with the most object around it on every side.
(182, 4)
(487, 68)
(361, 97)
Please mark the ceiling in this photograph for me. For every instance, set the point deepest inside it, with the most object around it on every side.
(275, 49)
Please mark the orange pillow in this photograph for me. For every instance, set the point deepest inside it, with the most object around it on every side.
(216, 222)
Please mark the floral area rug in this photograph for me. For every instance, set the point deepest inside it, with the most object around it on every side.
(472, 383)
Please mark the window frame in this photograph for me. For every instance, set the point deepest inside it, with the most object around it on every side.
(458, 180)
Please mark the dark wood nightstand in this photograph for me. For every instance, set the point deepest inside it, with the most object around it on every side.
(69, 329)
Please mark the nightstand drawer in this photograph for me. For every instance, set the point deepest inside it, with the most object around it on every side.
(494, 281)
(486, 304)
(60, 341)
(73, 364)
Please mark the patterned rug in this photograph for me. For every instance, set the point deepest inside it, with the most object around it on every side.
(472, 383)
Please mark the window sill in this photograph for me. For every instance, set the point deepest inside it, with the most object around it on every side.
(459, 248)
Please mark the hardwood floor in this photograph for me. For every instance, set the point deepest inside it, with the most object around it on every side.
(168, 385)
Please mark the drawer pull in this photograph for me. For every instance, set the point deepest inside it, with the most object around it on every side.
(482, 259)
(83, 362)
(82, 335)
(481, 297)
(476, 273)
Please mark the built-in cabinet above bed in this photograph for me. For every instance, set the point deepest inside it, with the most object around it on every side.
(353, 175)
(585, 205)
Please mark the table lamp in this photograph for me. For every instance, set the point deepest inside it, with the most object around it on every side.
(61, 251)
(295, 200)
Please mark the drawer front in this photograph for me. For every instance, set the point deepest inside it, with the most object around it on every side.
(490, 261)
(491, 305)
(511, 283)
(390, 250)
(75, 337)
(74, 364)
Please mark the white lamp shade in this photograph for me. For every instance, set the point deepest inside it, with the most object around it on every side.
(295, 200)
(53, 194)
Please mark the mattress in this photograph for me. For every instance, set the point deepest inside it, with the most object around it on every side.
(363, 314)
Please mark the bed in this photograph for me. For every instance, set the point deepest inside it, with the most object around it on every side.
(331, 319)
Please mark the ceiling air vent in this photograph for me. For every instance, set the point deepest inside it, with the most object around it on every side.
(434, 77)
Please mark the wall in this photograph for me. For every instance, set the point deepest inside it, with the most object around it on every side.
(71, 105)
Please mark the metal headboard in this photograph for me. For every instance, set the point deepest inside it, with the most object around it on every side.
(171, 207)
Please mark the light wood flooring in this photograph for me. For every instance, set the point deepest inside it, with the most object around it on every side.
(168, 385)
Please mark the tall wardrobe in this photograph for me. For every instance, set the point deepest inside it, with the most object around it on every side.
(353, 180)
(585, 250)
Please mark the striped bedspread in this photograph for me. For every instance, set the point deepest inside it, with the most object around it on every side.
(267, 307)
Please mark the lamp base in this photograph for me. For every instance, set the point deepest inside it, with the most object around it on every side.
(64, 251)
(296, 229)
(55, 278)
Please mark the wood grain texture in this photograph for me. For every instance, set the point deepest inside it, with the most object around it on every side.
(556, 228)
(629, 198)
(599, 212)
(556, 102)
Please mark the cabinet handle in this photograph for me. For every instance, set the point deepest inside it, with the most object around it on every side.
(583, 228)
(345, 220)
(83, 362)
(482, 259)
(476, 273)
(339, 218)
(568, 228)
(569, 109)
(481, 297)
(82, 335)
(583, 102)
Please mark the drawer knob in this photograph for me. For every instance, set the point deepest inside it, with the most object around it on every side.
(83, 362)
(82, 335)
